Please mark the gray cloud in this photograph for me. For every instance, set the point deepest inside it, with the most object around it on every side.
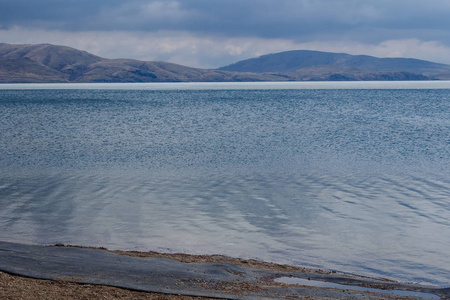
(294, 19)
(188, 25)
(45, 13)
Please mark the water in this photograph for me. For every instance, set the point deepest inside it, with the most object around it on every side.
(326, 284)
(346, 177)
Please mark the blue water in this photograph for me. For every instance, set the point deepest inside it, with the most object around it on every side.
(352, 178)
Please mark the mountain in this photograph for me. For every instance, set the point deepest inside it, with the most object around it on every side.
(317, 65)
(51, 63)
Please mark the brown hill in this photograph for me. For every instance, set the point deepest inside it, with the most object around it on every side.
(50, 63)
(341, 65)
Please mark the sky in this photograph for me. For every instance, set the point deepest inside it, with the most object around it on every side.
(215, 33)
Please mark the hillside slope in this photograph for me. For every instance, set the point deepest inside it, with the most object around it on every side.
(50, 63)
(294, 61)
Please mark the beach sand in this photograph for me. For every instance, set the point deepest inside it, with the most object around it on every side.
(20, 287)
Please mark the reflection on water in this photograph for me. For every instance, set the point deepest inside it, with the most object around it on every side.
(377, 226)
(352, 180)
(324, 284)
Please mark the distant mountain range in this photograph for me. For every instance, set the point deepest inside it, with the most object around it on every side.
(50, 63)
(316, 65)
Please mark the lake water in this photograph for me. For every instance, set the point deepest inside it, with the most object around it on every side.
(351, 177)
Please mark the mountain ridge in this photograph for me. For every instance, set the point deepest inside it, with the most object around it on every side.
(50, 63)
(291, 61)
(47, 63)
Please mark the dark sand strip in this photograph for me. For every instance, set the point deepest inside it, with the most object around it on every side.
(209, 278)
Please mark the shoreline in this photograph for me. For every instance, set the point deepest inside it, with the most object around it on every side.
(66, 271)
(214, 258)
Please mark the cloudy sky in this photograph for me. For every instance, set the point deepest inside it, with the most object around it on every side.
(213, 33)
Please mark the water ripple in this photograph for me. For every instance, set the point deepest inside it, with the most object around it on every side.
(353, 180)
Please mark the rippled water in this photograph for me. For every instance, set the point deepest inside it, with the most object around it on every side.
(355, 180)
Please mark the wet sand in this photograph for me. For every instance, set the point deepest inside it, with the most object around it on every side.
(214, 275)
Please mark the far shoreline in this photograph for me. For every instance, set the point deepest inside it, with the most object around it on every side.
(258, 85)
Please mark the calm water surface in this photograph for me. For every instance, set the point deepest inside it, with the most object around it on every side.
(352, 177)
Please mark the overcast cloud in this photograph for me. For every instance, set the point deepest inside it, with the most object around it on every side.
(212, 33)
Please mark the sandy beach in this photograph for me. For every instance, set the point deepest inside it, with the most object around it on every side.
(72, 272)
(18, 287)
